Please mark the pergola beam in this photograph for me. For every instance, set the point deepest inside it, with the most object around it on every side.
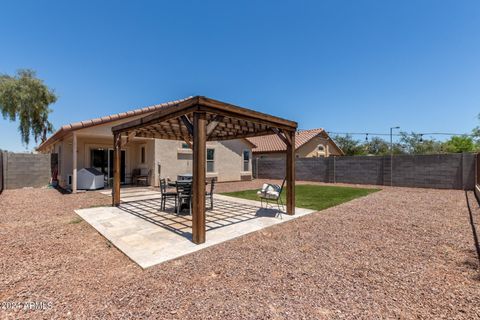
(281, 135)
(187, 137)
(187, 141)
(188, 124)
(213, 124)
(130, 136)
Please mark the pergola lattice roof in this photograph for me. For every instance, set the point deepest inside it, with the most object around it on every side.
(224, 121)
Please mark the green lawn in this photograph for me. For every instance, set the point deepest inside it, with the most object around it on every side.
(313, 196)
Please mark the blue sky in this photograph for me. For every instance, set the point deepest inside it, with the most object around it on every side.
(347, 66)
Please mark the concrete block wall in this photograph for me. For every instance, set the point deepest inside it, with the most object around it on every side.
(445, 171)
(307, 166)
(364, 170)
(468, 170)
(26, 170)
(1, 172)
(271, 168)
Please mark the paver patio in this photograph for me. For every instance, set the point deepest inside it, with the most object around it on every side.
(149, 236)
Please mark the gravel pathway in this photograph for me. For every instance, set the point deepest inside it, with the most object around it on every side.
(398, 253)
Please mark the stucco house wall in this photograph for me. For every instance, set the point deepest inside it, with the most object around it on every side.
(310, 149)
(163, 158)
(228, 160)
(64, 149)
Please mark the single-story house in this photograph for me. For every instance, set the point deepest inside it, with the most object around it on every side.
(308, 144)
(89, 144)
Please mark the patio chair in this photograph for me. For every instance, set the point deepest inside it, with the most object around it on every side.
(184, 195)
(135, 175)
(143, 177)
(210, 193)
(166, 194)
(272, 192)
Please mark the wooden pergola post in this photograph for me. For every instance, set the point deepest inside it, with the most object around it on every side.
(199, 162)
(117, 151)
(290, 174)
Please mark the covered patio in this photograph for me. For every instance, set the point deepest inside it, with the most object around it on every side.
(196, 121)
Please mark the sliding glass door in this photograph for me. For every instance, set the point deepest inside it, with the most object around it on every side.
(102, 160)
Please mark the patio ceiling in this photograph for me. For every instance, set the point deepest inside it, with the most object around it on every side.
(197, 120)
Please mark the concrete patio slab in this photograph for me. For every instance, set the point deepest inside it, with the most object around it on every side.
(149, 236)
(129, 194)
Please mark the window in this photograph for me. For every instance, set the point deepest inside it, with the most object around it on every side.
(246, 160)
(185, 146)
(321, 148)
(210, 160)
(142, 155)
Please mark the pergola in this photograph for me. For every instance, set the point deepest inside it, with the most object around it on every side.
(197, 120)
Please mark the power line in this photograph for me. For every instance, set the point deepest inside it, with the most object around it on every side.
(399, 134)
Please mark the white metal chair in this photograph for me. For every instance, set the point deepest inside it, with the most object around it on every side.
(272, 192)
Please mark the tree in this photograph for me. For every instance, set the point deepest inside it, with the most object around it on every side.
(377, 146)
(458, 144)
(476, 135)
(27, 98)
(476, 130)
(414, 143)
(348, 145)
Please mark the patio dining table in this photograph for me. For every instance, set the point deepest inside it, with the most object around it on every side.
(173, 184)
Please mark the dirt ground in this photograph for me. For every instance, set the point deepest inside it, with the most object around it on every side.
(398, 253)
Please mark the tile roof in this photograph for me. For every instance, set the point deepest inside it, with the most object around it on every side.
(97, 121)
(272, 143)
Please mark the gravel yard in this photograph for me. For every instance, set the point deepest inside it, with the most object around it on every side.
(397, 253)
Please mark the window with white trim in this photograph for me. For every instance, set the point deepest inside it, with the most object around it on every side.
(210, 160)
(246, 160)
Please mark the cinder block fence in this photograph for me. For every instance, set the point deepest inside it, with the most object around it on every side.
(1, 172)
(442, 171)
(25, 170)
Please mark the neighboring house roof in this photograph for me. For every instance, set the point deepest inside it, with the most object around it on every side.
(273, 143)
(103, 120)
